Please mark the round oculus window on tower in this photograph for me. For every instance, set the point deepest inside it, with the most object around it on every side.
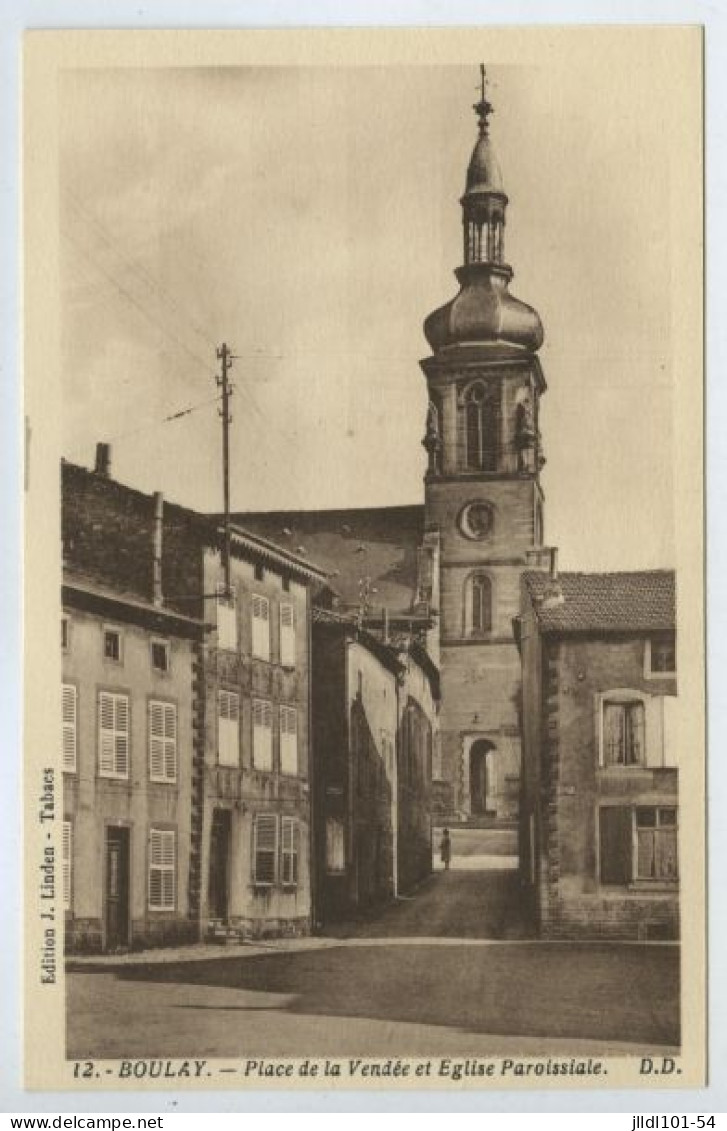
(476, 520)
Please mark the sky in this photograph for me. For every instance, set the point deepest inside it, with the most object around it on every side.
(309, 217)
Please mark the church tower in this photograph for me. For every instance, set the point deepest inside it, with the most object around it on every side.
(484, 503)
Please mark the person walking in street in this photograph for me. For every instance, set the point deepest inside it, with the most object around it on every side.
(445, 849)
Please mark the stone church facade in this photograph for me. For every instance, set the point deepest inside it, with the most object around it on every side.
(448, 573)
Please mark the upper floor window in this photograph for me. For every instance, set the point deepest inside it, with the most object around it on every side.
(480, 428)
(112, 644)
(661, 656)
(226, 620)
(624, 732)
(69, 712)
(288, 740)
(287, 635)
(160, 655)
(262, 735)
(478, 605)
(260, 627)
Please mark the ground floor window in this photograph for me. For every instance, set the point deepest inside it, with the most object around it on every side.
(265, 848)
(162, 869)
(638, 843)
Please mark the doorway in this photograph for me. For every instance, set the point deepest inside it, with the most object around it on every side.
(219, 874)
(480, 777)
(116, 915)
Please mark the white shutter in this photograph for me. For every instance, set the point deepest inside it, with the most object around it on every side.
(162, 741)
(113, 742)
(228, 728)
(260, 627)
(162, 869)
(69, 715)
(262, 735)
(265, 848)
(287, 635)
(226, 621)
(288, 740)
(67, 862)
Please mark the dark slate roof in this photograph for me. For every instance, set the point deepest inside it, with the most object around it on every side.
(604, 602)
(381, 543)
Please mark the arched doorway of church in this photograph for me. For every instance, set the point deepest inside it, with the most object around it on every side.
(481, 753)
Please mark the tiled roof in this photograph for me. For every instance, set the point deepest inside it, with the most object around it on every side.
(378, 543)
(604, 602)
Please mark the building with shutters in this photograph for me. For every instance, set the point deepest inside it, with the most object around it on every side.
(375, 724)
(599, 822)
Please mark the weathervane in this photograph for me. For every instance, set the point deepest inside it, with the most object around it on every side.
(483, 108)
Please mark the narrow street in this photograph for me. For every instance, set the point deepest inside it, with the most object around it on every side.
(448, 970)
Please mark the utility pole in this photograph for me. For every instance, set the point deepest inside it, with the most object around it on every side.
(226, 358)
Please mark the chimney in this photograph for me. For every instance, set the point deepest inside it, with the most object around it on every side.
(553, 562)
(103, 460)
(157, 548)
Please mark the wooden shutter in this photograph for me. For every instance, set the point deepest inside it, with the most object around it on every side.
(113, 746)
(335, 845)
(615, 837)
(228, 728)
(260, 627)
(162, 869)
(67, 862)
(69, 716)
(262, 734)
(287, 635)
(226, 621)
(265, 848)
(288, 740)
(289, 850)
(162, 741)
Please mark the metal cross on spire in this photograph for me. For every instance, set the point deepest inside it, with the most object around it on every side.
(483, 108)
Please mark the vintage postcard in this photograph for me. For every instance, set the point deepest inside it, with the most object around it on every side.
(363, 386)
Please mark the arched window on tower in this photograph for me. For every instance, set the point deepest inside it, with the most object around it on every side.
(480, 419)
(478, 605)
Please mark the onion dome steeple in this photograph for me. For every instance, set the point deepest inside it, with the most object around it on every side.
(484, 311)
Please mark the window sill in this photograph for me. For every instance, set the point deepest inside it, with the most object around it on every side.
(654, 885)
(162, 781)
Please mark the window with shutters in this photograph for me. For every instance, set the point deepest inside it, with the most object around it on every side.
(113, 738)
(265, 848)
(69, 710)
(638, 843)
(288, 740)
(287, 635)
(623, 732)
(661, 657)
(162, 741)
(260, 627)
(228, 728)
(162, 869)
(67, 863)
(656, 843)
(288, 851)
(226, 620)
(262, 734)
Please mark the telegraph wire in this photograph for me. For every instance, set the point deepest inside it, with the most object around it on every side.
(172, 416)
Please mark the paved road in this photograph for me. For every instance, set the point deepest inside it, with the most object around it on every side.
(447, 972)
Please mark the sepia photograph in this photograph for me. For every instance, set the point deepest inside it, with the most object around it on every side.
(368, 495)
